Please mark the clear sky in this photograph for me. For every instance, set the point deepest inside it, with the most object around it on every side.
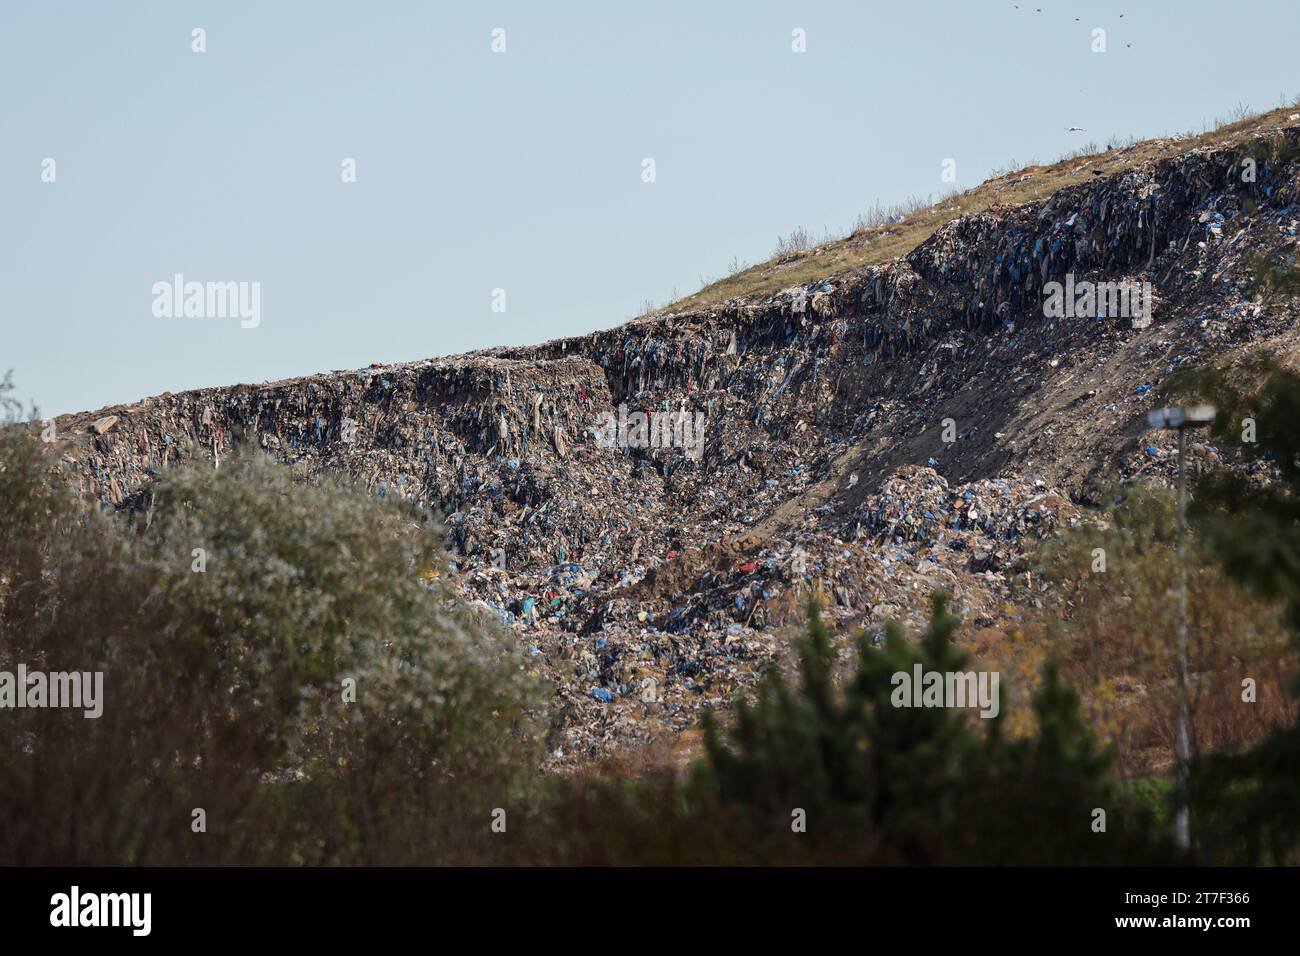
(519, 170)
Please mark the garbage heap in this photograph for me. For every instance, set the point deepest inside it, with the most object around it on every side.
(867, 437)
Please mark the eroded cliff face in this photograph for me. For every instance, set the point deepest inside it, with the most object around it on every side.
(872, 436)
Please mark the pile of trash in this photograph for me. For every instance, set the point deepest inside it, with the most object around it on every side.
(866, 438)
(916, 505)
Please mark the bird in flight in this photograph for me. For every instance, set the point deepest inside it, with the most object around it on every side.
(1075, 129)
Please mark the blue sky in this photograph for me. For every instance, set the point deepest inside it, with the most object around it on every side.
(520, 170)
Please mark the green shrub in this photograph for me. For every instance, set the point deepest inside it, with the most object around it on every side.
(224, 688)
(886, 784)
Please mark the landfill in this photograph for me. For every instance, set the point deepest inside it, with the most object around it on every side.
(868, 438)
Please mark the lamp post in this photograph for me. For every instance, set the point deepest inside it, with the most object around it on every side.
(1181, 419)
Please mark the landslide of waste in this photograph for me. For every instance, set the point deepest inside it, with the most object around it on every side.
(870, 436)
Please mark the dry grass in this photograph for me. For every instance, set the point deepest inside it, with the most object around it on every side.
(875, 242)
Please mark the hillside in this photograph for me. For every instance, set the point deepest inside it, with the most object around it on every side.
(903, 228)
(650, 582)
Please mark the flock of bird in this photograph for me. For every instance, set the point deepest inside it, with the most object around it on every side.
(1076, 20)
(1074, 129)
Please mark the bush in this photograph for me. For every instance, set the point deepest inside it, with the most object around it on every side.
(224, 687)
(1246, 804)
(1110, 619)
(886, 784)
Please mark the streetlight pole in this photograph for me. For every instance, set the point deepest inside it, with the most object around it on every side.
(1182, 745)
(1182, 419)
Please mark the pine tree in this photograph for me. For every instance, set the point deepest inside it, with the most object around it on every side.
(882, 783)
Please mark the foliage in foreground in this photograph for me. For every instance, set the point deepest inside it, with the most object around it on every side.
(1109, 618)
(1248, 802)
(892, 784)
(229, 689)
